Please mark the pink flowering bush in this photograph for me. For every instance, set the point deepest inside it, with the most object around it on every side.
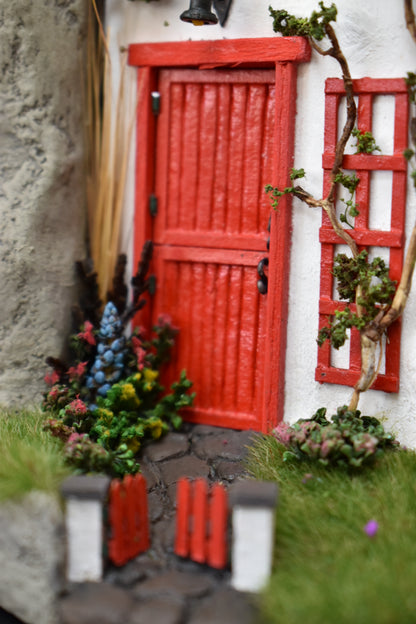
(348, 439)
(105, 408)
(108, 400)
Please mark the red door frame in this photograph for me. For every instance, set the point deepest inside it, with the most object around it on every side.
(282, 53)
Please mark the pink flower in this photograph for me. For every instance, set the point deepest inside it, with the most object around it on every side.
(54, 394)
(164, 319)
(75, 372)
(87, 334)
(77, 407)
(283, 433)
(139, 352)
(51, 378)
(77, 437)
(371, 528)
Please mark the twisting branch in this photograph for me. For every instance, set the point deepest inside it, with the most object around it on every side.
(410, 18)
(316, 28)
(374, 331)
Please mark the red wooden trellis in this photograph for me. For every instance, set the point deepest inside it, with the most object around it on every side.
(365, 89)
(201, 522)
(128, 518)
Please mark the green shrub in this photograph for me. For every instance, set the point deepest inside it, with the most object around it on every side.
(348, 440)
(110, 401)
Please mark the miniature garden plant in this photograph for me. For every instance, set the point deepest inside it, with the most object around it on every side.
(110, 402)
(377, 301)
(348, 440)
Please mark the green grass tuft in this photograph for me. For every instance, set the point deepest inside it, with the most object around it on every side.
(31, 459)
(326, 568)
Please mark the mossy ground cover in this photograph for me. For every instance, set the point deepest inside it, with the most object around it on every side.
(327, 568)
(30, 458)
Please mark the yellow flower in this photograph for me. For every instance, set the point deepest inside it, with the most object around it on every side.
(156, 429)
(137, 377)
(133, 445)
(128, 395)
(150, 375)
(106, 415)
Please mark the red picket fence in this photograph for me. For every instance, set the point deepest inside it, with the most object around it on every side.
(128, 519)
(201, 522)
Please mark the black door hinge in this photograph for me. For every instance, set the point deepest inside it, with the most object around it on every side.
(153, 204)
(155, 95)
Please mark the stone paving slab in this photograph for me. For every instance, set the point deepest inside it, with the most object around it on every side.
(158, 611)
(169, 447)
(228, 470)
(231, 446)
(96, 603)
(188, 466)
(151, 473)
(176, 583)
(226, 606)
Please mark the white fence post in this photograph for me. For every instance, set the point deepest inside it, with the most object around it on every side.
(84, 496)
(253, 506)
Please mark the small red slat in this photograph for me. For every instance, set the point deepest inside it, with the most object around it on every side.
(364, 112)
(129, 534)
(375, 238)
(344, 377)
(355, 350)
(370, 162)
(183, 508)
(331, 129)
(362, 198)
(142, 513)
(367, 85)
(401, 122)
(200, 517)
(116, 545)
(218, 519)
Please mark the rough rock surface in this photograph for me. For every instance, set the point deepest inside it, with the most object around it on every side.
(157, 586)
(31, 556)
(42, 190)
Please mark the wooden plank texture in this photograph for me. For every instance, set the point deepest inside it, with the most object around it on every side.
(221, 136)
(224, 52)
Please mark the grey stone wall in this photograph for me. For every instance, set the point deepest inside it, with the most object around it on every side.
(42, 189)
(32, 544)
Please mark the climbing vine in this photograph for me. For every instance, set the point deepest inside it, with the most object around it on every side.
(374, 301)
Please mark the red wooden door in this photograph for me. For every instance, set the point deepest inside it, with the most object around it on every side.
(222, 134)
(214, 155)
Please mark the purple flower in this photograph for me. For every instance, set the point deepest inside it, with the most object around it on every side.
(307, 477)
(371, 528)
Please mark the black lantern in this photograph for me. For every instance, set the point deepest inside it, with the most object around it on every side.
(199, 13)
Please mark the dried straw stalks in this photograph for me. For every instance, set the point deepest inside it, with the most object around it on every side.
(108, 138)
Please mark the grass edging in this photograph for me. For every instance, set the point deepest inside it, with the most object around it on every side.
(328, 566)
(31, 459)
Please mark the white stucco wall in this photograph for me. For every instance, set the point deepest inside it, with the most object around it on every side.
(376, 43)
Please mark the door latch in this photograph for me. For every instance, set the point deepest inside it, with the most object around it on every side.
(262, 283)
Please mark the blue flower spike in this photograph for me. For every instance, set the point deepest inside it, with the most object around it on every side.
(109, 362)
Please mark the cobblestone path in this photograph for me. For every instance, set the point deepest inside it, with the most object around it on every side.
(157, 587)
